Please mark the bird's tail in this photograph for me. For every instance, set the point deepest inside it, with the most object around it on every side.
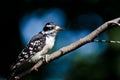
(12, 76)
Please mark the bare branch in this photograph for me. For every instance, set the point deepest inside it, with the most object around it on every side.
(73, 46)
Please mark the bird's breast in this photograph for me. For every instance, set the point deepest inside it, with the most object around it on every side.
(49, 43)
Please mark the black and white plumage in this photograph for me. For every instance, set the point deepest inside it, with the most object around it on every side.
(38, 47)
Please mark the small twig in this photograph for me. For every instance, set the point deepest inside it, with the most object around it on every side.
(74, 45)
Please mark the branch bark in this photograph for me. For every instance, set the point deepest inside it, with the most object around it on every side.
(73, 46)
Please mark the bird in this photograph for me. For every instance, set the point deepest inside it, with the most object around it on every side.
(37, 48)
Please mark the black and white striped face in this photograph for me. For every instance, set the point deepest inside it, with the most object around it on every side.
(51, 28)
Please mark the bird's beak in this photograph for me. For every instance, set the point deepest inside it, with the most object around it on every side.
(59, 28)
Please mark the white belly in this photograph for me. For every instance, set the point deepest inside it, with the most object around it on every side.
(49, 44)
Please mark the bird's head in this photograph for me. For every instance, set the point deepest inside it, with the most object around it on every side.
(51, 28)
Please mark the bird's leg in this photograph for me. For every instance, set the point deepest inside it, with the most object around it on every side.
(47, 55)
(45, 58)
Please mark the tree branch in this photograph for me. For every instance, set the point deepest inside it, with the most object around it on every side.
(73, 46)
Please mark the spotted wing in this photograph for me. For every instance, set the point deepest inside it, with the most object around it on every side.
(35, 45)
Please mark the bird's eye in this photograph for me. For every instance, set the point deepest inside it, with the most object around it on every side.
(46, 28)
(50, 28)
